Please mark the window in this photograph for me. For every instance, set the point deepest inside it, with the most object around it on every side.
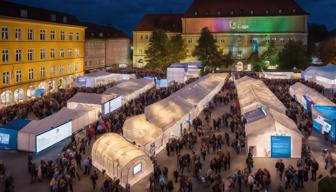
(77, 36)
(18, 53)
(267, 11)
(77, 52)
(70, 52)
(52, 34)
(18, 34)
(30, 74)
(280, 11)
(62, 35)
(52, 70)
(232, 12)
(62, 53)
(219, 13)
(76, 67)
(196, 13)
(252, 12)
(43, 53)
(53, 17)
(141, 37)
(18, 76)
(65, 19)
(4, 33)
(222, 41)
(5, 78)
(5, 56)
(146, 36)
(189, 40)
(42, 72)
(30, 54)
(69, 68)
(30, 34)
(42, 34)
(24, 13)
(62, 69)
(71, 36)
(52, 53)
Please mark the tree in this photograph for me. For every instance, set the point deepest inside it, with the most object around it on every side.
(157, 52)
(257, 63)
(328, 51)
(207, 51)
(293, 55)
(316, 33)
(177, 49)
(271, 54)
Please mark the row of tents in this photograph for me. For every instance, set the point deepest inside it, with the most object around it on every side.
(82, 110)
(128, 157)
(269, 132)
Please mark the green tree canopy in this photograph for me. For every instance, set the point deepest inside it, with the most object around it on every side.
(257, 63)
(328, 51)
(293, 55)
(177, 49)
(271, 54)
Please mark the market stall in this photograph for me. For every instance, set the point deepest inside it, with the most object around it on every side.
(100, 78)
(130, 89)
(103, 103)
(181, 72)
(120, 159)
(324, 120)
(9, 132)
(324, 75)
(147, 136)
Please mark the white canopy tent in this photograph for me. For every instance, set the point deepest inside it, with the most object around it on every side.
(144, 134)
(277, 75)
(181, 72)
(325, 75)
(299, 90)
(130, 89)
(100, 78)
(120, 159)
(96, 101)
(28, 137)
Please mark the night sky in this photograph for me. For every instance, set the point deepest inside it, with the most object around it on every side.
(125, 14)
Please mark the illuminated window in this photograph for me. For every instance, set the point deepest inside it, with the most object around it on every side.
(76, 67)
(52, 70)
(77, 52)
(30, 74)
(5, 78)
(18, 76)
(30, 34)
(65, 19)
(70, 52)
(4, 33)
(42, 34)
(252, 12)
(43, 53)
(18, 34)
(196, 13)
(52, 34)
(52, 53)
(62, 69)
(77, 36)
(42, 72)
(5, 56)
(30, 54)
(62, 53)
(62, 35)
(23, 13)
(294, 10)
(18, 57)
(71, 36)
(267, 11)
(53, 17)
(219, 13)
(232, 12)
(280, 11)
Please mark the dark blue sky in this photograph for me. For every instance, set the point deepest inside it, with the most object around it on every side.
(125, 14)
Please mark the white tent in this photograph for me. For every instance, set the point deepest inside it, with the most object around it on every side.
(325, 75)
(130, 89)
(299, 90)
(277, 75)
(260, 132)
(54, 128)
(100, 78)
(120, 159)
(144, 134)
(181, 72)
(100, 102)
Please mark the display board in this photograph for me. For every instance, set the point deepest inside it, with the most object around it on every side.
(281, 146)
(53, 136)
(161, 83)
(4, 139)
(137, 168)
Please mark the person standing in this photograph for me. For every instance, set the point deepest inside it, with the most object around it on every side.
(314, 169)
(94, 178)
(280, 166)
(250, 181)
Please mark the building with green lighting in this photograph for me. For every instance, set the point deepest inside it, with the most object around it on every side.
(241, 27)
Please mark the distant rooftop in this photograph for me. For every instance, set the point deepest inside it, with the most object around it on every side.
(167, 22)
(102, 31)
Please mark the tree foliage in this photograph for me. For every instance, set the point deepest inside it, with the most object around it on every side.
(328, 51)
(257, 63)
(293, 55)
(163, 51)
(271, 54)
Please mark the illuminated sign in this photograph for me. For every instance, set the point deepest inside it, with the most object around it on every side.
(280, 146)
(4, 138)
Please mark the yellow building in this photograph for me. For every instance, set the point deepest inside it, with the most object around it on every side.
(41, 51)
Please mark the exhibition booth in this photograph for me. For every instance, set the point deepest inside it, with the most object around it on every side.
(324, 75)
(139, 131)
(324, 120)
(100, 78)
(104, 104)
(39, 135)
(130, 89)
(9, 132)
(120, 159)
(308, 97)
(181, 72)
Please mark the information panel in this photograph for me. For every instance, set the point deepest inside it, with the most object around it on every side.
(280, 146)
(4, 138)
(53, 136)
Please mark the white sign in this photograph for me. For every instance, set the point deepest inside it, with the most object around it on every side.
(234, 25)
(4, 138)
(53, 136)
(326, 127)
(137, 168)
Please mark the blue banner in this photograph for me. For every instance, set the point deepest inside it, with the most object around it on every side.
(281, 146)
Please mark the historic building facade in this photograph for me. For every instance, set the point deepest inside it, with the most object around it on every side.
(240, 27)
(41, 51)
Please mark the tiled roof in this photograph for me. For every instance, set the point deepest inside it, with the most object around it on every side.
(102, 31)
(234, 8)
(10, 9)
(168, 22)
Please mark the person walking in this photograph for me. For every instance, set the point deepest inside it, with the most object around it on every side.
(314, 169)
(94, 178)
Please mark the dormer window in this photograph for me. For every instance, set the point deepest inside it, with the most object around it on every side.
(232, 12)
(219, 13)
(53, 17)
(267, 11)
(24, 13)
(173, 25)
(101, 34)
(294, 10)
(65, 19)
(280, 11)
(252, 12)
(207, 13)
(196, 13)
